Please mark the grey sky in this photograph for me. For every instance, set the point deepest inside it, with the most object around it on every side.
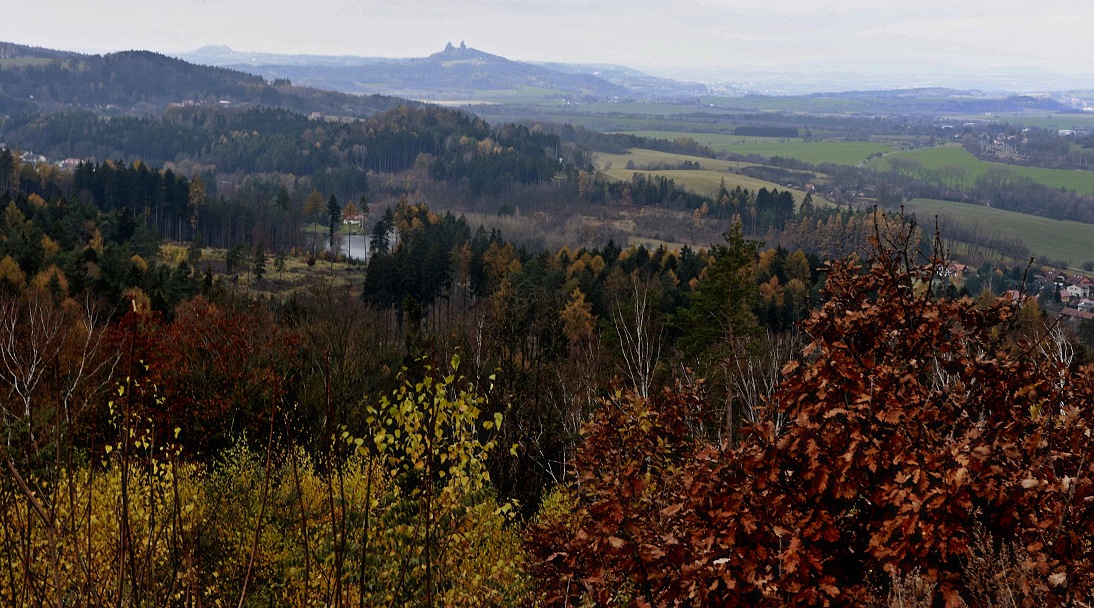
(657, 36)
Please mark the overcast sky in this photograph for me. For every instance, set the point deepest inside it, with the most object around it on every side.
(657, 36)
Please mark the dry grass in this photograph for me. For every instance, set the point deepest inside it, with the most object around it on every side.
(1002, 577)
(911, 591)
(297, 277)
(996, 576)
(627, 226)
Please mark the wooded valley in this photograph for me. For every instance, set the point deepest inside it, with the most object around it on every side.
(540, 385)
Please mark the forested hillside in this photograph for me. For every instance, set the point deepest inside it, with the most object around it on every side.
(204, 402)
(610, 424)
(255, 152)
(143, 83)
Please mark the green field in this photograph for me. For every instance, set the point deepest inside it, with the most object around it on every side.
(706, 182)
(1046, 238)
(953, 155)
(643, 157)
(813, 152)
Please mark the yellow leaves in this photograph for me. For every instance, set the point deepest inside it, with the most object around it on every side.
(139, 301)
(50, 276)
(95, 243)
(13, 216)
(139, 263)
(11, 275)
(50, 248)
(578, 321)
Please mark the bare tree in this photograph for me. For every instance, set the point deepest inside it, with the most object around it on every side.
(754, 376)
(53, 364)
(639, 334)
(32, 334)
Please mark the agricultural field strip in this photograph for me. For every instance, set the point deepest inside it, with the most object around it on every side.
(813, 152)
(953, 155)
(643, 157)
(1046, 238)
(705, 182)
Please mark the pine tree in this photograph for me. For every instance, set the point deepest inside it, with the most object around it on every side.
(334, 221)
(380, 241)
(279, 262)
(193, 252)
(259, 267)
(312, 206)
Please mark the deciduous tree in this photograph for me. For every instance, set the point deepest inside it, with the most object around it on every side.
(916, 428)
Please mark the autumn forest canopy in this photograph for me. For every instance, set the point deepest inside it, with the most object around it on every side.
(406, 357)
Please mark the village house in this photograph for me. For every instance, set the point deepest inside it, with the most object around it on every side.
(1077, 291)
(1076, 316)
(32, 158)
(1079, 286)
(953, 269)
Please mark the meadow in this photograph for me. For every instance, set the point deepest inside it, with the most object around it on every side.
(642, 157)
(812, 152)
(953, 155)
(1046, 238)
(704, 181)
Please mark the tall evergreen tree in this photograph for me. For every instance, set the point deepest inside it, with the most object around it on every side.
(380, 241)
(722, 304)
(334, 220)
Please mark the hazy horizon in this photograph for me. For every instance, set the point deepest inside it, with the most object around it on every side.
(695, 39)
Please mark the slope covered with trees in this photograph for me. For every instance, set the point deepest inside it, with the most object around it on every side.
(475, 422)
(392, 444)
(142, 83)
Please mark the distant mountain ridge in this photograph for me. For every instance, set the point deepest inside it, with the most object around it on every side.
(145, 83)
(223, 55)
(455, 73)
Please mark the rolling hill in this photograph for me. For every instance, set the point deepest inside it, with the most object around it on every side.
(146, 83)
(455, 73)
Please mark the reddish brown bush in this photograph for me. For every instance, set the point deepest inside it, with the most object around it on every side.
(919, 427)
(219, 368)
